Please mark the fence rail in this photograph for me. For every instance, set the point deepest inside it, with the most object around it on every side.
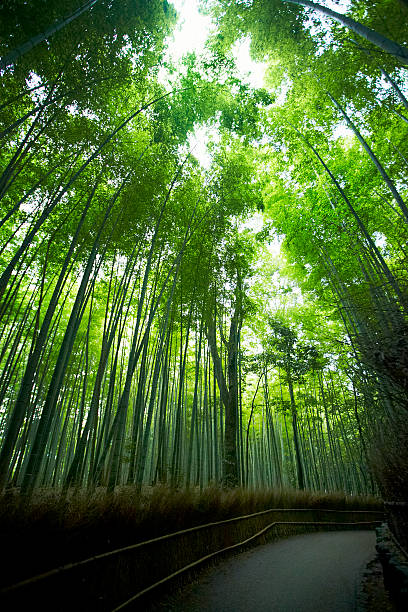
(115, 579)
(195, 564)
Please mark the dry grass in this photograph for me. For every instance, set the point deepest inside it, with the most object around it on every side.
(51, 531)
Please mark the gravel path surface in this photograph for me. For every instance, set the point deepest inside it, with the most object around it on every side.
(318, 572)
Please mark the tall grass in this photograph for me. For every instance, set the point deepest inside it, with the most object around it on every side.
(53, 530)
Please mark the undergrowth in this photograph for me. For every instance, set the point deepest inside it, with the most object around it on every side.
(52, 530)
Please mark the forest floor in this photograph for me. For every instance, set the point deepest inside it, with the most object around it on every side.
(373, 595)
(308, 573)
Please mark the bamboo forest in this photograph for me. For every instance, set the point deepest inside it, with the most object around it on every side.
(203, 258)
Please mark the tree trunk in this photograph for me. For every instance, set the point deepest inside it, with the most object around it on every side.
(299, 465)
(11, 58)
(229, 395)
(377, 39)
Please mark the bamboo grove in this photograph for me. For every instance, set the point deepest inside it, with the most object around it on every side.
(148, 334)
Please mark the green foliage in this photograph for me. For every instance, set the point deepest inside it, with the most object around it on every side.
(133, 281)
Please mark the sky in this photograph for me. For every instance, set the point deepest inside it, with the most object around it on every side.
(190, 35)
(192, 32)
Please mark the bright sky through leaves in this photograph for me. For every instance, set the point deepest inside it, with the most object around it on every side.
(192, 29)
(190, 35)
(149, 316)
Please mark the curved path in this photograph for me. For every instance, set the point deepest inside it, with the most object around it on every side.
(318, 572)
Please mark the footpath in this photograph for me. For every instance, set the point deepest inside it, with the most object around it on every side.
(319, 572)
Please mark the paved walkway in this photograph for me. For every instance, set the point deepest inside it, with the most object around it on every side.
(318, 572)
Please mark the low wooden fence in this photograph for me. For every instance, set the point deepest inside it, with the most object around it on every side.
(119, 579)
